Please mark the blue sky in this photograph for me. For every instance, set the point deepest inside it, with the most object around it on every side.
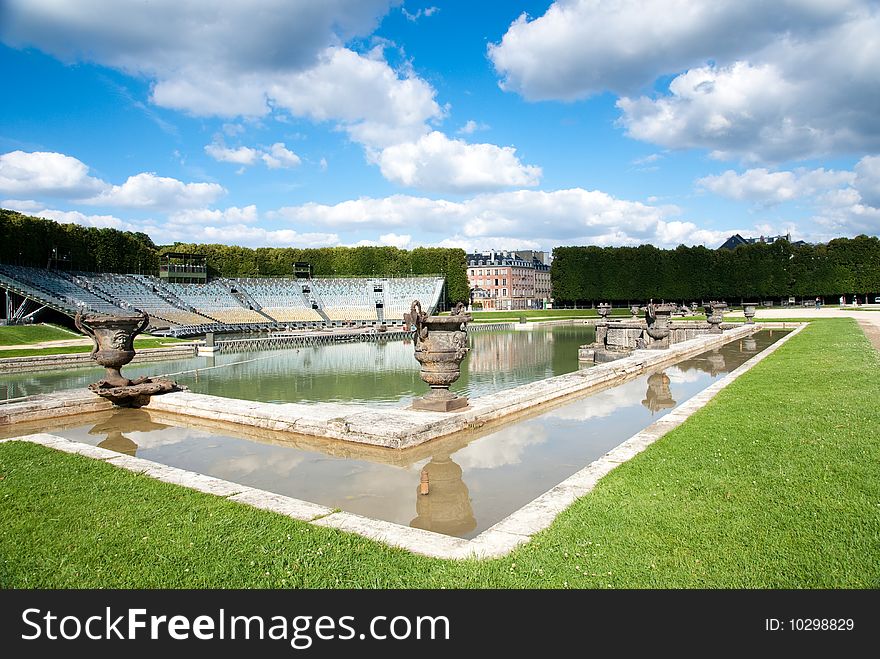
(482, 125)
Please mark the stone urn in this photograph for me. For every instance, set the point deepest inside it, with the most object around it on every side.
(715, 316)
(114, 342)
(657, 316)
(634, 311)
(440, 346)
(749, 312)
(604, 309)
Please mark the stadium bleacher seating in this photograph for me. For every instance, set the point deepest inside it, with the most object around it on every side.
(225, 305)
(282, 299)
(64, 292)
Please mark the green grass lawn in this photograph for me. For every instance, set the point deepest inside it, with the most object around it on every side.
(139, 342)
(14, 335)
(774, 484)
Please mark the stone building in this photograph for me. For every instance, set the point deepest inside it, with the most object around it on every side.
(501, 280)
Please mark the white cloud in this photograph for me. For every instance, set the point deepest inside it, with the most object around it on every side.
(278, 157)
(523, 219)
(58, 175)
(291, 58)
(761, 81)
(21, 205)
(147, 190)
(46, 173)
(231, 215)
(75, 217)
(867, 180)
(233, 129)
(584, 47)
(438, 163)
(471, 126)
(395, 240)
(647, 160)
(240, 234)
(843, 202)
(505, 447)
(243, 155)
(206, 46)
(427, 12)
(766, 187)
(367, 97)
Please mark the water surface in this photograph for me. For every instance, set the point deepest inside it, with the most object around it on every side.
(475, 480)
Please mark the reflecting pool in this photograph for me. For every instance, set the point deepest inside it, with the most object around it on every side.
(475, 480)
(383, 372)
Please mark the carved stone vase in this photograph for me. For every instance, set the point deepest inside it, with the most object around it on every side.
(634, 311)
(604, 309)
(440, 346)
(657, 317)
(114, 348)
(114, 342)
(715, 316)
(749, 313)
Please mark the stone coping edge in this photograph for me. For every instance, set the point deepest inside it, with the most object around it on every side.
(497, 541)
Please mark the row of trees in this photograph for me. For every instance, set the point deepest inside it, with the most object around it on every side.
(33, 241)
(758, 271)
(36, 242)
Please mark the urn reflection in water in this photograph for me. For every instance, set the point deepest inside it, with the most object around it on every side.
(440, 346)
(443, 502)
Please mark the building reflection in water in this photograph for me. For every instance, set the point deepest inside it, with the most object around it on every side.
(717, 364)
(748, 344)
(507, 351)
(447, 506)
(126, 420)
(658, 396)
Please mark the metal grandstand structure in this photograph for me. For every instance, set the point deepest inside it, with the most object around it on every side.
(221, 305)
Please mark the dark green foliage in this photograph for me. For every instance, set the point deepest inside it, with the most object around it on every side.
(755, 272)
(33, 241)
(30, 241)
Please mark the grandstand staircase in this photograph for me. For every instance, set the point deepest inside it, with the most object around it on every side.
(308, 303)
(244, 298)
(175, 301)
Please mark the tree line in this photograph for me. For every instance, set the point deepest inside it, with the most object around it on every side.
(33, 241)
(758, 271)
(37, 242)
